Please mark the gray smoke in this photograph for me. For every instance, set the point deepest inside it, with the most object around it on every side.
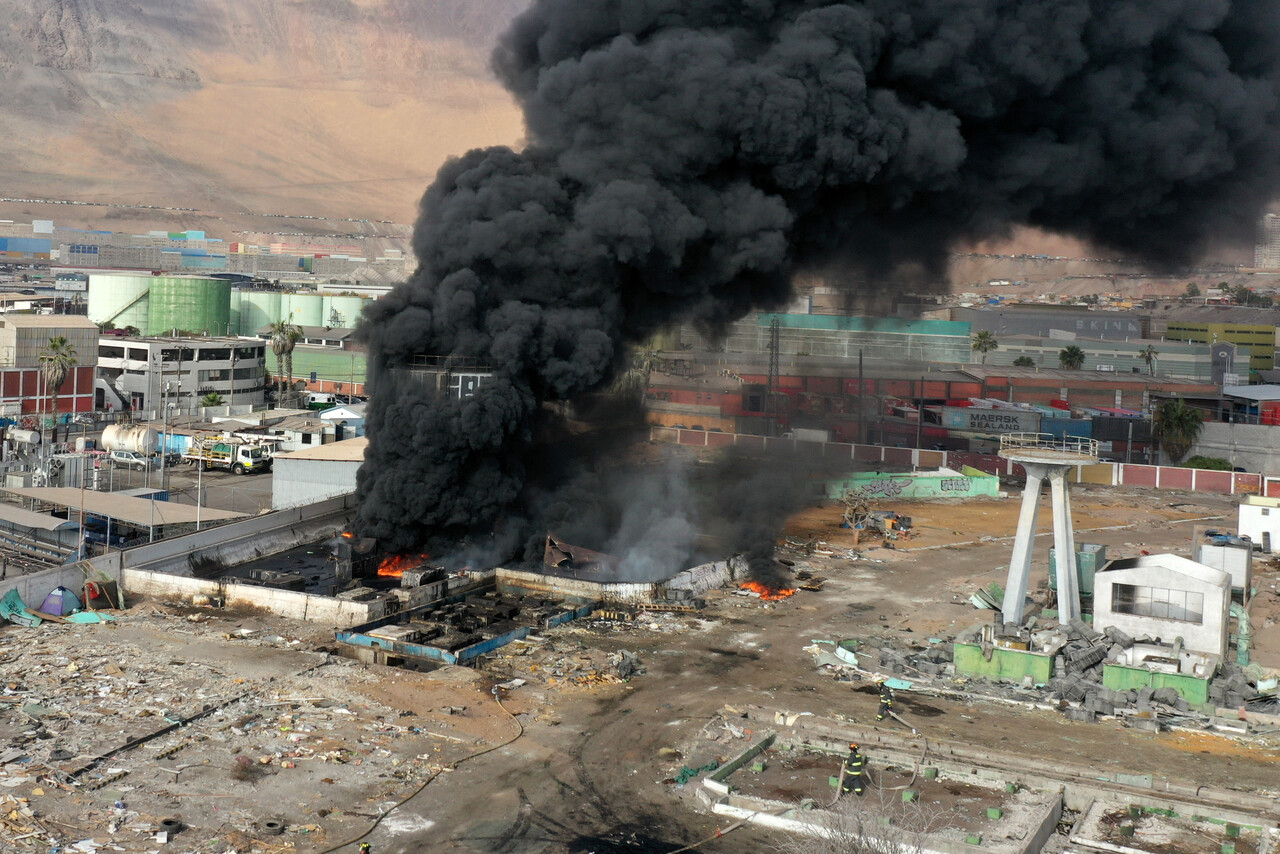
(687, 157)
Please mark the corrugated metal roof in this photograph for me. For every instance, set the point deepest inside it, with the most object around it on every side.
(1253, 392)
(136, 511)
(23, 518)
(348, 450)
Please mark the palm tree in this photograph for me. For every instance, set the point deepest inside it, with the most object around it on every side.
(1071, 357)
(983, 343)
(56, 362)
(1177, 426)
(1148, 355)
(211, 399)
(284, 335)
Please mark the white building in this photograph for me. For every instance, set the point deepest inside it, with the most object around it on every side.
(1260, 521)
(1167, 597)
(145, 372)
(349, 416)
(316, 473)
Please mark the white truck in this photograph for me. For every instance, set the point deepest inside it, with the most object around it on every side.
(235, 455)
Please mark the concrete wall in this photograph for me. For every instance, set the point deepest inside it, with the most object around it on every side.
(970, 483)
(1190, 688)
(1111, 474)
(226, 545)
(575, 588)
(1253, 447)
(286, 603)
(1209, 636)
(1008, 665)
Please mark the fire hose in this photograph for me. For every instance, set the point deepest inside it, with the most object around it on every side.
(434, 774)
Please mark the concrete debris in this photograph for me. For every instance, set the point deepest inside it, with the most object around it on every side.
(98, 717)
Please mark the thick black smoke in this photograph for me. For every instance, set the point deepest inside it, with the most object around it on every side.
(687, 157)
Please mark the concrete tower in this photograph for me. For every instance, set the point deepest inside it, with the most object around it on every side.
(1045, 457)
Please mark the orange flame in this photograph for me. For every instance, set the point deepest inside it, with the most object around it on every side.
(347, 535)
(393, 566)
(769, 594)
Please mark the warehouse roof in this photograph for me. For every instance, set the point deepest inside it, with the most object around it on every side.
(1253, 392)
(48, 321)
(348, 450)
(20, 517)
(135, 511)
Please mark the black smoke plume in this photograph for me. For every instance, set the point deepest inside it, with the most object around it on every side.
(686, 157)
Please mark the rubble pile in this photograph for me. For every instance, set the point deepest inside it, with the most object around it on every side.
(560, 662)
(109, 731)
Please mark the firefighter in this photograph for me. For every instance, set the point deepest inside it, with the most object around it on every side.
(886, 698)
(365, 848)
(854, 764)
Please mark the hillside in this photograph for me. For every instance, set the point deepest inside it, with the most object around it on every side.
(324, 107)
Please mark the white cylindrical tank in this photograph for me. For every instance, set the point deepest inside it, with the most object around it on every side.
(130, 437)
(30, 437)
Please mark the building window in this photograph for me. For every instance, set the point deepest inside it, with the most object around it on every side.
(1158, 602)
(138, 353)
(1266, 511)
(306, 438)
(111, 352)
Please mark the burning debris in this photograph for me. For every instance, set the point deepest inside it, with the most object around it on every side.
(394, 566)
(768, 594)
(685, 160)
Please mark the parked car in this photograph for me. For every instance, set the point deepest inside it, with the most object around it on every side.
(129, 459)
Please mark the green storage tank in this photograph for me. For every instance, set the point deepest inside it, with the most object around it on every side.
(258, 309)
(120, 299)
(1090, 557)
(343, 311)
(303, 309)
(189, 304)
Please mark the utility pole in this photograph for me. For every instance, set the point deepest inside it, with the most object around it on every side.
(862, 427)
(771, 384)
(920, 417)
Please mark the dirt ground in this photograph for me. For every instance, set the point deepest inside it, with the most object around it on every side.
(588, 762)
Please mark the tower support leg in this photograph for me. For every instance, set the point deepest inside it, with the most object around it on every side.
(1064, 547)
(1015, 590)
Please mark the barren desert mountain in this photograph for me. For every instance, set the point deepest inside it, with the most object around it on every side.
(340, 108)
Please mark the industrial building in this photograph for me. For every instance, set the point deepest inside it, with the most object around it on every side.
(313, 474)
(147, 373)
(1252, 328)
(839, 337)
(1165, 597)
(1173, 359)
(1266, 253)
(1041, 321)
(22, 339)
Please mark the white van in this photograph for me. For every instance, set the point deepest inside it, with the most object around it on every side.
(321, 400)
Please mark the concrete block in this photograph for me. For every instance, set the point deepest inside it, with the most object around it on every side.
(973, 839)
(995, 813)
(1082, 715)
(930, 773)
(1167, 696)
(910, 796)
(1145, 724)
(1145, 692)
(1233, 830)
